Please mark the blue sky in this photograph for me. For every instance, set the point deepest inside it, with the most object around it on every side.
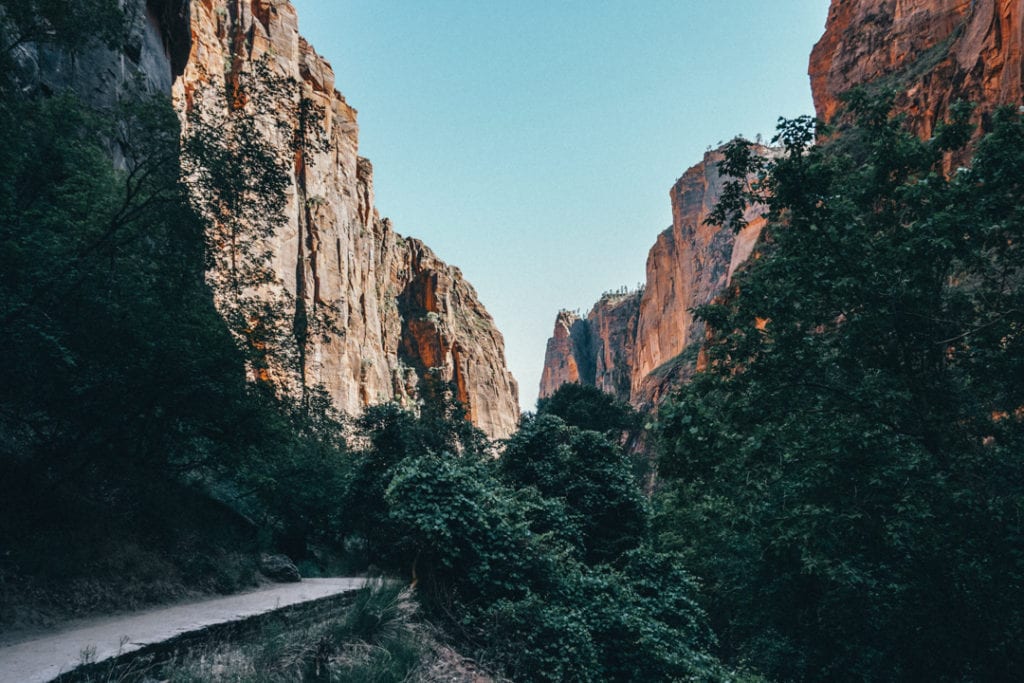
(532, 143)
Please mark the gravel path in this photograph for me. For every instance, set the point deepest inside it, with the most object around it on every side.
(44, 657)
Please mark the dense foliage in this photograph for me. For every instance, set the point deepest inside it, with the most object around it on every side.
(123, 396)
(539, 561)
(845, 480)
(847, 476)
(587, 407)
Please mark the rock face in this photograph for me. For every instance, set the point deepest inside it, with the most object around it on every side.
(156, 50)
(636, 346)
(597, 350)
(932, 52)
(568, 348)
(613, 324)
(398, 310)
(688, 266)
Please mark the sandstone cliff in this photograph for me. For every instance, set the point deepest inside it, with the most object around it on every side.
(389, 311)
(567, 349)
(597, 350)
(397, 311)
(931, 52)
(639, 345)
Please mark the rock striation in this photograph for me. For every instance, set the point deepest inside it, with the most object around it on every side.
(931, 52)
(399, 312)
(638, 345)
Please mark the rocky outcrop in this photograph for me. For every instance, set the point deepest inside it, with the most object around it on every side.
(157, 44)
(641, 344)
(446, 329)
(279, 568)
(597, 350)
(394, 310)
(567, 349)
(931, 52)
(613, 324)
(690, 264)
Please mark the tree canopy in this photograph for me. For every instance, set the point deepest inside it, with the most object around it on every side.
(846, 476)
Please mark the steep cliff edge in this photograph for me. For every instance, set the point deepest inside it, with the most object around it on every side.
(637, 344)
(931, 52)
(397, 311)
(370, 313)
(690, 264)
(597, 350)
(567, 349)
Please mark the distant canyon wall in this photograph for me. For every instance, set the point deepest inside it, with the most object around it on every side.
(639, 345)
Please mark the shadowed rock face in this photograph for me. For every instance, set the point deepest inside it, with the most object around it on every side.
(932, 52)
(634, 343)
(155, 53)
(400, 310)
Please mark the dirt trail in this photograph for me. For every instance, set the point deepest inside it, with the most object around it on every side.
(42, 658)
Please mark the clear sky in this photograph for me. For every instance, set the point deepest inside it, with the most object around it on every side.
(532, 143)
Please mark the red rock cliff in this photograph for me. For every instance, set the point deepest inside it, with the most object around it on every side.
(565, 353)
(932, 52)
(400, 311)
(637, 344)
(597, 350)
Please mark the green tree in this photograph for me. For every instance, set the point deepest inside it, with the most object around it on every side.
(846, 475)
(124, 394)
(587, 407)
(393, 435)
(587, 471)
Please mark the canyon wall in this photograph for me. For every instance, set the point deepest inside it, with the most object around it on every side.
(369, 314)
(930, 52)
(597, 350)
(637, 346)
(398, 312)
(154, 54)
(567, 350)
